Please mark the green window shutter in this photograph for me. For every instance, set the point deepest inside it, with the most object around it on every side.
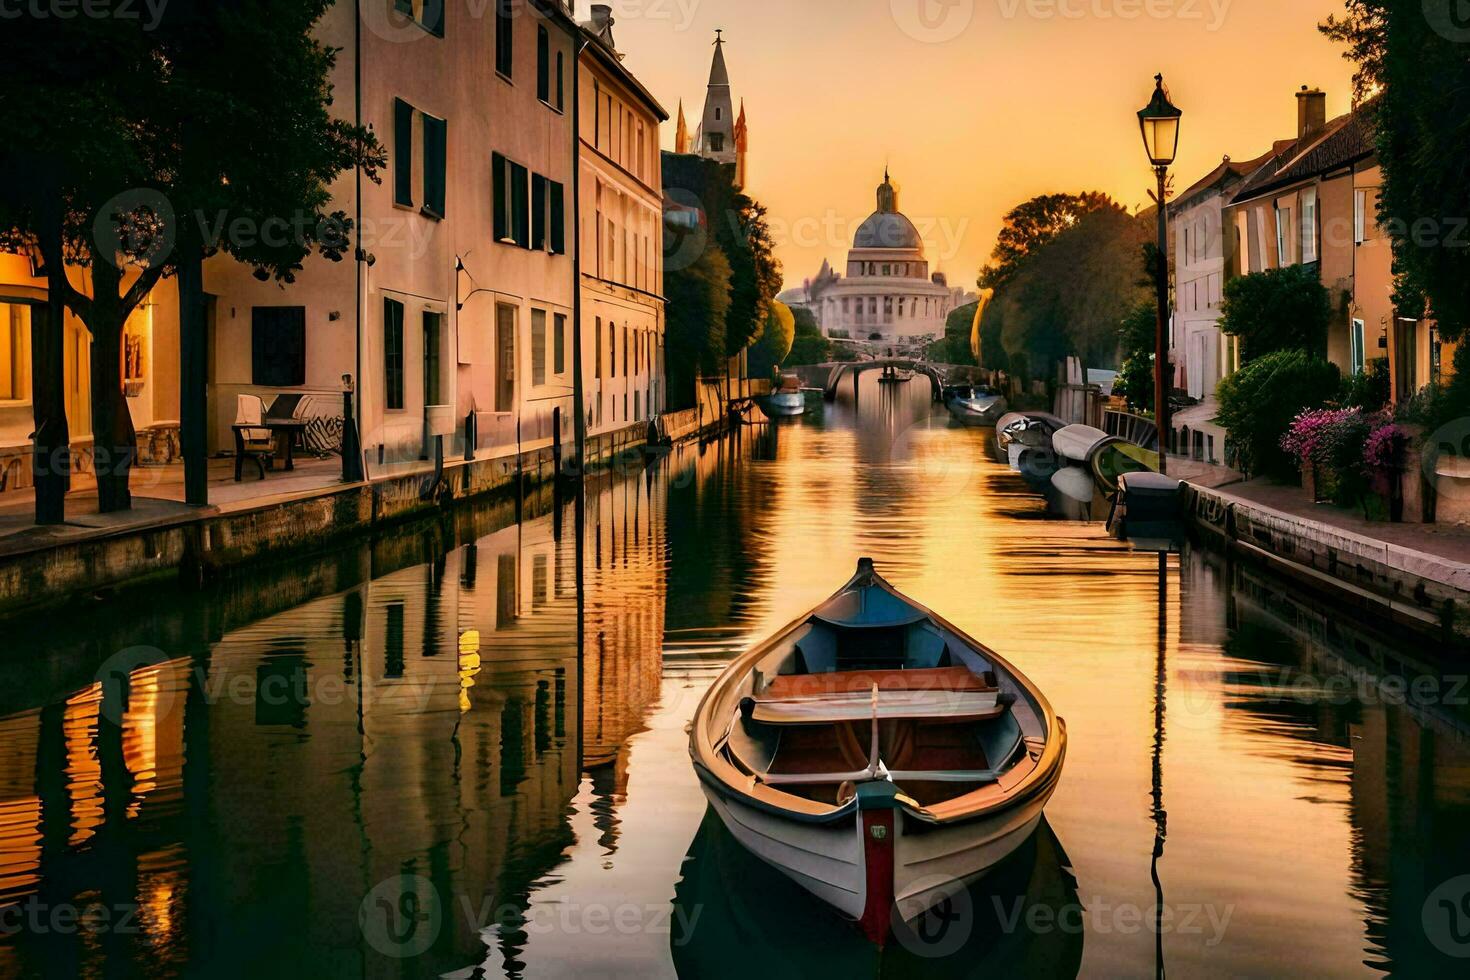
(520, 205)
(392, 354)
(561, 80)
(538, 212)
(402, 153)
(434, 16)
(435, 137)
(538, 347)
(505, 38)
(559, 344)
(499, 175)
(558, 219)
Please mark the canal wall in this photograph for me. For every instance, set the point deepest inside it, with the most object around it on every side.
(196, 546)
(1423, 592)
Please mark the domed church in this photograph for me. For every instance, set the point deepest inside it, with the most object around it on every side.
(888, 294)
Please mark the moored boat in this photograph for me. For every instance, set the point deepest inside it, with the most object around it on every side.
(876, 755)
(975, 404)
(1017, 432)
(787, 401)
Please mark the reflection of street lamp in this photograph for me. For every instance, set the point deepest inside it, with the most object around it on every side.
(1159, 123)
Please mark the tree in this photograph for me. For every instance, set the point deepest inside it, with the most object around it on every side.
(1029, 226)
(1277, 309)
(1137, 342)
(131, 168)
(1069, 294)
(698, 303)
(954, 346)
(755, 272)
(770, 351)
(1414, 80)
(808, 346)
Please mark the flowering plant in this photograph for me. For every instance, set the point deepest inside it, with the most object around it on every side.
(1316, 435)
(1384, 449)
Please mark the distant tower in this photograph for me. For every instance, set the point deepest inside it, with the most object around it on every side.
(681, 134)
(742, 145)
(717, 129)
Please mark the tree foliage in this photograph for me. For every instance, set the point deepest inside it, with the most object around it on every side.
(698, 297)
(770, 351)
(1137, 343)
(1277, 309)
(808, 346)
(1414, 76)
(1067, 296)
(954, 346)
(1029, 226)
(1259, 402)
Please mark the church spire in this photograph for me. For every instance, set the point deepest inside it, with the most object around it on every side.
(887, 195)
(717, 127)
(681, 132)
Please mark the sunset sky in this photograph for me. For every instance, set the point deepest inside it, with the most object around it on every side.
(976, 104)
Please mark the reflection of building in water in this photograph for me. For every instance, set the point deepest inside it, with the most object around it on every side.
(423, 724)
(624, 630)
(1400, 720)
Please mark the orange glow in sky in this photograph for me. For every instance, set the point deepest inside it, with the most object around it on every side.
(976, 104)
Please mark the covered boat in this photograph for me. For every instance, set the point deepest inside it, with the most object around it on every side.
(1017, 432)
(876, 755)
(975, 404)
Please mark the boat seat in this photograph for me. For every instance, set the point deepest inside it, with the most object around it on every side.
(951, 679)
(889, 705)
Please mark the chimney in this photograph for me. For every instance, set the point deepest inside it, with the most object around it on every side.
(1311, 112)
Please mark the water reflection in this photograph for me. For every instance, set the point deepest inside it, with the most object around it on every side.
(390, 760)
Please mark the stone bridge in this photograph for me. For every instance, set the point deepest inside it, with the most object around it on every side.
(829, 376)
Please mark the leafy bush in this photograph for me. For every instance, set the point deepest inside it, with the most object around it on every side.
(1136, 339)
(1276, 310)
(1370, 390)
(1259, 403)
(1333, 443)
(775, 342)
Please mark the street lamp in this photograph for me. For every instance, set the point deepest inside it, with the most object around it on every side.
(1159, 123)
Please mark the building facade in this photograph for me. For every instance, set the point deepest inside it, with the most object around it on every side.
(452, 315)
(888, 294)
(621, 237)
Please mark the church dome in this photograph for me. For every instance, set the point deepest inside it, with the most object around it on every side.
(887, 230)
(886, 227)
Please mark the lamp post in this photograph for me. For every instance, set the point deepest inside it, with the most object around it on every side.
(351, 445)
(1159, 123)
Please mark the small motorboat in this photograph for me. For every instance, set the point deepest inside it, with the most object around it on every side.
(1017, 432)
(876, 755)
(1148, 511)
(975, 404)
(787, 401)
(1105, 457)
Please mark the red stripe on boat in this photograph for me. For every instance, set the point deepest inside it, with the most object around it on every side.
(878, 861)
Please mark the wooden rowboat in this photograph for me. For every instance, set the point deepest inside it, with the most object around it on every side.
(876, 755)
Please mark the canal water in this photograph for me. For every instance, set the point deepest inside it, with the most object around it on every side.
(422, 756)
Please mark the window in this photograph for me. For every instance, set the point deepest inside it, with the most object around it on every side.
(505, 357)
(1243, 241)
(435, 136)
(433, 358)
(717, 142)
(538, 347)
(429, 14)
(402, 153)
(612, 349)
(1261, 253)
(597, 363)
(1360, 217)
(561, 81)
(1309, 225)
(520, 205)
(505, 38)
(500, 179)
(625, 360)
(392, 355)
(1283, 237)
(15, 352)
(278, 346)
(1355, 339)
(543, 65)
(719, 113)
(559, 344)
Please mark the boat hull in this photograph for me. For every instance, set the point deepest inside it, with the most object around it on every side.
(784, 404)
(977, 413)
(880, 879)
